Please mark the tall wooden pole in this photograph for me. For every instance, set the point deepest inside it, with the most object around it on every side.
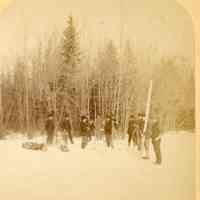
(148, 106)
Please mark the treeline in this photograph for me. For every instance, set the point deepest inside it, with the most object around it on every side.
(60, 76)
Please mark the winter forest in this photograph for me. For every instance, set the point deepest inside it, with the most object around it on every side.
(97, 100)
(63, 76)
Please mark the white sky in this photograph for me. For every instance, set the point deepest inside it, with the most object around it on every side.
(163, 24)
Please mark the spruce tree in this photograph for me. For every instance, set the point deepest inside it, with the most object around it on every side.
(68, 76)
(70, 54)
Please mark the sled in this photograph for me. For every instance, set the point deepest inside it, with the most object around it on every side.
(34, 146)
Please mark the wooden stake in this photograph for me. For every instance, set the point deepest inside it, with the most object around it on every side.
(148, 106)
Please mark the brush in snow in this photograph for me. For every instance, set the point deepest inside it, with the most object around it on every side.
(34, 146)
(145, 157)
(64, 148)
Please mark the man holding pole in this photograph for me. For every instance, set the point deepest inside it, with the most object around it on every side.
(147, 136)
(141, 122)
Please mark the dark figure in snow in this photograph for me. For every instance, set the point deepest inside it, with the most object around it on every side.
(147, 137)
(50, 128)
(98, 128)
(108, 126)
(91, 129)
(116, 124)
(131, 130)
(84, 128)
(66, 128)
(156, 140)
(141, 122)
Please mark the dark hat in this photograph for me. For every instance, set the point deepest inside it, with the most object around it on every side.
(108, 116)
(66, 114)
(51, 113)
(83, 117)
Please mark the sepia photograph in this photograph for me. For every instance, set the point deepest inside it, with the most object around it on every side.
(97, 100)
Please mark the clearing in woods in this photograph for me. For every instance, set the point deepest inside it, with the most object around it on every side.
(98, 173)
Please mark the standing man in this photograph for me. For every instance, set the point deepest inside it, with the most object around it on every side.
(66, 128)
(50, 128)
(84, 128)
(156, 140)
(108, 131)
(147, 136)
(130, 131)
(99, 129)
(140, 122)
(92, 129)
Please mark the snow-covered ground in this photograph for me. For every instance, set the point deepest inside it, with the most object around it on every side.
(98, 173)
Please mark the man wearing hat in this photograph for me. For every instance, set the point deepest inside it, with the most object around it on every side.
(108, 130)
(147, 138)
(84, 129)
(91, 129)
(131, 128)
(66, 128)
(141, 122)
(156, 140)
(50, 128)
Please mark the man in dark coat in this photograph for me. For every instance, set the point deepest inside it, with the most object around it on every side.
(141, 122)
(131, 129)
(147, 137)
(156, 140)
(108, 125)
(50, 128)
(91, 129)
(84, 129)
(66, 128)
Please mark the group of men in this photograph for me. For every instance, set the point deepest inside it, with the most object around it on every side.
(141, 136)
(86, 129)
(136, 133)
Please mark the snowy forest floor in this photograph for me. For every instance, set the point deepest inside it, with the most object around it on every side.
(98, 173)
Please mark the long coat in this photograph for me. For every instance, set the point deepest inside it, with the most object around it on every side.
(84, 127)
(65, 125)
(155, 130)
(141, 123)
(130, 126)
(50, 126)
(108, 126)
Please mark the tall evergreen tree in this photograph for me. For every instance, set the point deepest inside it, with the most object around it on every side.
(69, 70)
(70, 54)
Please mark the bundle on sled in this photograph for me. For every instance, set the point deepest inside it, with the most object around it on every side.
(34, 146)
